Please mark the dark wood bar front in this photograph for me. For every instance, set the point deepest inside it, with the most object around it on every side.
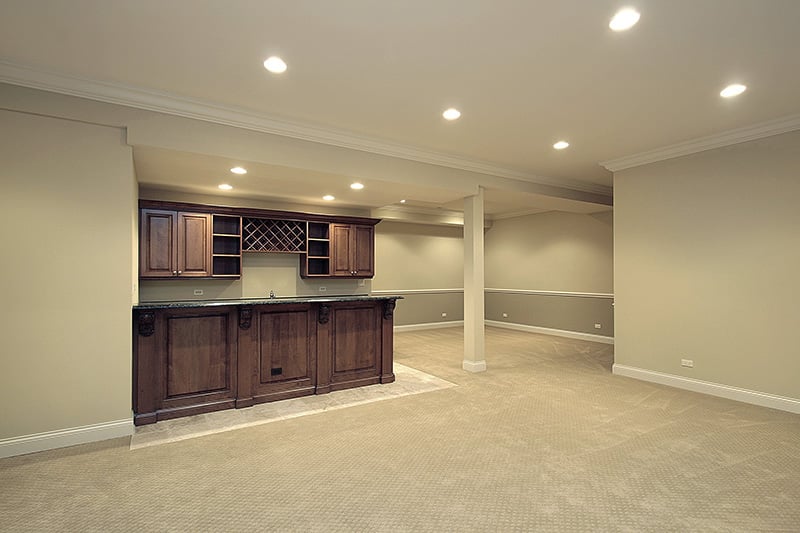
(198, 357)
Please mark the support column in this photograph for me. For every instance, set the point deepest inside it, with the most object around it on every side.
(474, 338)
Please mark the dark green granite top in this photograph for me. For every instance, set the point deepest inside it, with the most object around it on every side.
(263, 301)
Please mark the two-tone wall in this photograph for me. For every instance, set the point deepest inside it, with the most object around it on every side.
(552, 272)
(425, 264)
(706, 269)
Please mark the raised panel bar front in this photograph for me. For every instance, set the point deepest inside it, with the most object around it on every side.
(354, 348)
(197, 355)
(282, 352)
(356, 345)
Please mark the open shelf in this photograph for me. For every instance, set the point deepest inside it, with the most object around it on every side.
(317, 259)
(226, 246)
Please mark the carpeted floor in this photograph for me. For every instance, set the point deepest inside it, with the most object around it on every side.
(545, 440)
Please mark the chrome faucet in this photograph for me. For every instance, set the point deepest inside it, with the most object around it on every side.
(271, 293)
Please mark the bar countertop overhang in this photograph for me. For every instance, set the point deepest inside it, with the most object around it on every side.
(263, 301)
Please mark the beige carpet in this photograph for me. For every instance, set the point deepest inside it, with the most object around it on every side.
(545, 440)
(407, 381)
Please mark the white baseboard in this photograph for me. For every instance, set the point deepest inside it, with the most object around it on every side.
(430, 325)
(549, 331)
(762, 399)
(65, 437)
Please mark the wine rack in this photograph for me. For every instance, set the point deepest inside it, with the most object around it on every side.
(268, 235)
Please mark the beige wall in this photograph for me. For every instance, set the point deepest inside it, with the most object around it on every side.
(552, 252)
(65, 334)
(414, 257)
(707, 256)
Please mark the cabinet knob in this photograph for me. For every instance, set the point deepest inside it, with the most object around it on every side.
(180, 272)
(174, 272)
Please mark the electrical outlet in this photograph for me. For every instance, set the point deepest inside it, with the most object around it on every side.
(362, 282)
(444, 315)
(598, 326)
(687, 363)
(505, 315)
(198, 292)
(323, 289)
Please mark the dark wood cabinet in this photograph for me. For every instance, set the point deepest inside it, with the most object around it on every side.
(355, 348)
(174, 244)
(280, 341)
(353, 250)
(185, 362)
(195, 359)
(192, 240)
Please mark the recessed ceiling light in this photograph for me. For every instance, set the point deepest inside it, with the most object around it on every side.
(560, 145)
(402, 201)
(225, 187)
(357, 186)
(275, 64)
(239, 170)
(624, 19)
(732, 90)
(329, 198)
(451, 113)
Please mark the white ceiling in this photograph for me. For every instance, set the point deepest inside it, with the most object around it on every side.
(523, 73)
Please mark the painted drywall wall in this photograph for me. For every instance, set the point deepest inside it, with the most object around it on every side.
(707, 255)
(261, 273)
(552, 252)
(65, 334)
(410, 258)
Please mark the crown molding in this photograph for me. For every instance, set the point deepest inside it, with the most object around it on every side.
(719, 140)
(171, 104)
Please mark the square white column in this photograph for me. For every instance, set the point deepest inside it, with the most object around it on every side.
(474, 336)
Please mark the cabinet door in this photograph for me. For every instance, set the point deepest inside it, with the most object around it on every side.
(283, 356)
(157, 244)
(186, 364)
(342, 250)
(363, 251)
(355, 352)
(353, 250)
(194, 245)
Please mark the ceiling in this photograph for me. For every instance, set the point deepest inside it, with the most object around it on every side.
(523, 73)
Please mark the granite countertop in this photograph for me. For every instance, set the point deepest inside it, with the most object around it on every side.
(263, 301)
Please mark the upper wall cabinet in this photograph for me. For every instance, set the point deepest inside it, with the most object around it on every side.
(181, 240)
(353, 250)
(174, 244)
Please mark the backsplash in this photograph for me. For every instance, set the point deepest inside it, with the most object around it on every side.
(261, 273)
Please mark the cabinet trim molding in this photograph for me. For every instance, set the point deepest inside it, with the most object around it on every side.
(255, 213)
(324, 313)
(245, 316)
(147, 323)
